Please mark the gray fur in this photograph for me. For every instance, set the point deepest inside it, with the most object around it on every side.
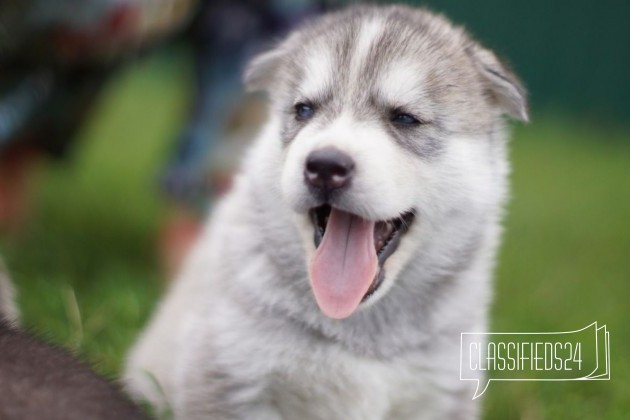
(39, 380)
(240, 334)
(465, 89)
(8, 308)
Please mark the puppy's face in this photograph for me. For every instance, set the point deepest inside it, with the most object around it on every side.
(386, 117)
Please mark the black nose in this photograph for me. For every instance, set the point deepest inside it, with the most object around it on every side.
(328, 169)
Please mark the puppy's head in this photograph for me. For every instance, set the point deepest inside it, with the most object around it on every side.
(387, 118)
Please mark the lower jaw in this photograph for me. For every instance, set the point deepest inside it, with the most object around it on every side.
(376, 284)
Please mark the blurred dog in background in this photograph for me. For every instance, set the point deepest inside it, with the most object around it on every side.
(41, 381)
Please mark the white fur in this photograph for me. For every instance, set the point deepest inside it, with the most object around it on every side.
(377, 191)
(240, 335)
(318, 73)
(370, 30)
(403, 83)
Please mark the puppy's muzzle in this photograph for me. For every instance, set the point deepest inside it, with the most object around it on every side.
(327, 170)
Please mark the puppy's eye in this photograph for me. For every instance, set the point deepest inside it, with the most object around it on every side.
(404, 119)
(304, 111)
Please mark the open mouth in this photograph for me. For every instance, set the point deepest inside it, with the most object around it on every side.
(348, 266)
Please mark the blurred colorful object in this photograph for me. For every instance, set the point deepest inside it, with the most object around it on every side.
(55, 56)
(224, 35)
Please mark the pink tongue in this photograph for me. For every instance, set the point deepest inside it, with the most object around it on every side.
(344, 265)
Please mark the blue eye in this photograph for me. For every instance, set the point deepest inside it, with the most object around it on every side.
(304, 111)
(405, 119)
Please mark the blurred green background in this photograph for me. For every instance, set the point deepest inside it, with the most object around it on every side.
(572, 55)
(87, 268)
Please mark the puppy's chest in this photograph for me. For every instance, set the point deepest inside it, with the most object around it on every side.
(340, 386)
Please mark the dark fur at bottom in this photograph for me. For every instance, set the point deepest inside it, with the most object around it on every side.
(40, 381)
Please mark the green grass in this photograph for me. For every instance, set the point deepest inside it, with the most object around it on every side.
(565, 262)
(88, 275)
(86, 268)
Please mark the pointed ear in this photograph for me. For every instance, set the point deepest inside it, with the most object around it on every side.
(260, 71)
(502, 85)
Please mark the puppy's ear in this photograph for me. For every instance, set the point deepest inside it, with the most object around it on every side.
(260, 72)
(502, 85)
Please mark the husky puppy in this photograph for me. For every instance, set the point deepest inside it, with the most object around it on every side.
(358, 242)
